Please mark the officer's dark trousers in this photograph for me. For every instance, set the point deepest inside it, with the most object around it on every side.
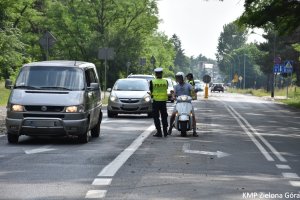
(160, 109)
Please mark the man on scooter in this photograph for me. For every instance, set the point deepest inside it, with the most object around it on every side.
(182, 88)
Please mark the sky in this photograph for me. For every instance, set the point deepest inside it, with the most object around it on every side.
(198, 23)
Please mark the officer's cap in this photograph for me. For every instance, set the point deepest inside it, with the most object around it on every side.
(158, 70)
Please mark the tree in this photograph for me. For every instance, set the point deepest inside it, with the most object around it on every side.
(283, 14)
(232, 37)
(181, 61)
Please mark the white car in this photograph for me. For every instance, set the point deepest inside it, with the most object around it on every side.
(129, 96)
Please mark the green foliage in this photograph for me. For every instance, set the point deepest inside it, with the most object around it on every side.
(181, 62)
(283, 14)
(4, 94)
(10, 48)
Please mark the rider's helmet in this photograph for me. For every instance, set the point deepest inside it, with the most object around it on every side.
(179, 74)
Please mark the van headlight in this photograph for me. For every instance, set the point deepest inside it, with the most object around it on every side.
(147, 98)
(17, 108)
(75, 109)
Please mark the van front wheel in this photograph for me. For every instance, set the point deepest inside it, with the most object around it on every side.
(84, 138)
(12, 138)
(95, 132)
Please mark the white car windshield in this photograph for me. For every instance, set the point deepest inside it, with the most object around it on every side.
(131, 85)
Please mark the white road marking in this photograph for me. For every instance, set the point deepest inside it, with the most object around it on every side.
(283, 166)
(2, 136)
(111, 169)
(254, 140)
(290, 175)
(219, 154)
(95, 194)
(295, 183)
(39, 150)
(274, 151)
(102, 181)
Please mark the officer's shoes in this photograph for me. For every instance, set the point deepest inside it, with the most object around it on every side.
(169, 131)
(157, 135)
(195, 134)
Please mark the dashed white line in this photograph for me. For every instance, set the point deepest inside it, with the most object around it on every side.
(95, 194)
(111, 169)
(289, 175)
(295, 183)
(283, 166)
(102, 181)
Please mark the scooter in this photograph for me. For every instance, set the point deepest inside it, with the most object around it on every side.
(184, 116)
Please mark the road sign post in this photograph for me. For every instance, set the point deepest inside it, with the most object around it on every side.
(47, 41)
(106, 54)
(206, 79)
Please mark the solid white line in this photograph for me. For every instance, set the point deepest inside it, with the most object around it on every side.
(95, 194)
(254, 140)
(274, 151)
(102, 181)
(295, 183)
(283, 166)
(111, 169)
(290, 175)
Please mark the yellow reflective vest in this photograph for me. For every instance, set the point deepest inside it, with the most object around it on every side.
(160, 89)
(193, 93)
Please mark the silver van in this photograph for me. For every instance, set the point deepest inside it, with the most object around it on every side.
(54, 98)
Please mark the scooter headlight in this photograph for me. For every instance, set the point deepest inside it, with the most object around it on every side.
(184, 98)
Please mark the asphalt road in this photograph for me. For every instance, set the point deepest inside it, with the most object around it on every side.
(247, 148)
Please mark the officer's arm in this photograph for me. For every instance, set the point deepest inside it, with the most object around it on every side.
(151, 88)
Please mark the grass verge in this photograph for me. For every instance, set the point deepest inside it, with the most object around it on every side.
(4, 94)
(292, 100)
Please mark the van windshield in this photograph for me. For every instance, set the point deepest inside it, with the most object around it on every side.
(59, 78)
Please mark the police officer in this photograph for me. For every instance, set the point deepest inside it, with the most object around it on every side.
(190, 80)
(158, 89)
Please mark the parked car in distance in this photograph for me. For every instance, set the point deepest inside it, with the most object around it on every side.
(199, 85)
(217, 87)
(143, 76)
(129, 96)
(54, 98)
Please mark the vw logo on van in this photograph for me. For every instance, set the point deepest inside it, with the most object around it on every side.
(44, 108)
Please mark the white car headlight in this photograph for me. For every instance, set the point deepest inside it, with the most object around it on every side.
(113, 98)
(75, 109)
(17, 108)
(147, 98)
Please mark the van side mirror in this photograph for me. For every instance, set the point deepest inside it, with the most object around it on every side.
(94, 86)
(108, 90)
(8, 84)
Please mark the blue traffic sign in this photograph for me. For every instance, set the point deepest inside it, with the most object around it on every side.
(277, 68)
(287, 67)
